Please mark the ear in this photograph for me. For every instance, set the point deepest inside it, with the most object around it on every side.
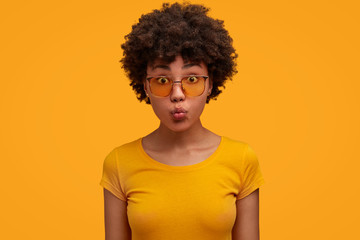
(210, 87)
(145, 88)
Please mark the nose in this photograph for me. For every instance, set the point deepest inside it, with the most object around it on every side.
(177, 93)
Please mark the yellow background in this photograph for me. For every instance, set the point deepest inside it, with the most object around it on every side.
(65, 103)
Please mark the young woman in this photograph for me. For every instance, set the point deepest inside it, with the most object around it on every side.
(181, 181)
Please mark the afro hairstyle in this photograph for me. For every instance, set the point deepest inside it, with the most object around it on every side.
(179, 29)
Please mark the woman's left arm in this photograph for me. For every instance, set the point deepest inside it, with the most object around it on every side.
(246, 226)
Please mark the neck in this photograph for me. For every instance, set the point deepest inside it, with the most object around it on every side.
(190, 137)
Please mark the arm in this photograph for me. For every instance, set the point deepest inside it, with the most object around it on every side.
(246, 226)
(116, 221)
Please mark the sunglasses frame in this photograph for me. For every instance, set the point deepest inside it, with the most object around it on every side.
(172, 83)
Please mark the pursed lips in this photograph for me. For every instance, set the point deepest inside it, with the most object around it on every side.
(178, 110)
(178, 113)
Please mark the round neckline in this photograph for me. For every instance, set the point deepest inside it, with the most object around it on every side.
(180, 168)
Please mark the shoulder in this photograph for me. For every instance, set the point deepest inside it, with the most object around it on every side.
(238, 153)
(126, 148)
(122, 159)
(234, 146)
(122, 154)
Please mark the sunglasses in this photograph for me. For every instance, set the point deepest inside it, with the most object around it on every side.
(192, 85)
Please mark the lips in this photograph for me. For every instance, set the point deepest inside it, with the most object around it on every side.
(178, 113)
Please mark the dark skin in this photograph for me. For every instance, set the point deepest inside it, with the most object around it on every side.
(180, 143)
(246, 225)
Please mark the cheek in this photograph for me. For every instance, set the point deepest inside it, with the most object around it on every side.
(198, 107)
(158, 108)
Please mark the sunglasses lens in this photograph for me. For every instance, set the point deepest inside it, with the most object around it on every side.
(160, 86)
(193, 86)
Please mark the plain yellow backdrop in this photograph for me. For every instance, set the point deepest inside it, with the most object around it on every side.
(65, 103)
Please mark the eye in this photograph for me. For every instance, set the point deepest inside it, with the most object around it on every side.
(162, 80)
(192, 79)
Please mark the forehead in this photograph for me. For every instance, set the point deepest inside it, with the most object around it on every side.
(174, 62)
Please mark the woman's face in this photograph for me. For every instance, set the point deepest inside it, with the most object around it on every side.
(177, 111)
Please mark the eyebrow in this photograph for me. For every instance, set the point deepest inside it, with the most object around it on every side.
(166, 67)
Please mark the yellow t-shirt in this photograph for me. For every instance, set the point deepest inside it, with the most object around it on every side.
(182, 202)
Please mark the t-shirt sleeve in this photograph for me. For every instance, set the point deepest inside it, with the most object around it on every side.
(251, 175)
(110, 178)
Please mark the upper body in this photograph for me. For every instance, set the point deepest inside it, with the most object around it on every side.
(188, 182)
(193, 201)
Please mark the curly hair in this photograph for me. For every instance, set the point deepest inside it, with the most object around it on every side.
(179, 29)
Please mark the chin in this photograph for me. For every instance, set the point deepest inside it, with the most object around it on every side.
(180, 126)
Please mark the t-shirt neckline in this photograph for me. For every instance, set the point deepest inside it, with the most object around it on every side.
(179, 168)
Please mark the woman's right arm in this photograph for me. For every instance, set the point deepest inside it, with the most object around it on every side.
(116, 221)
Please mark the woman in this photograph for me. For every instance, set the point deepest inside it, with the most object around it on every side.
(181, 181)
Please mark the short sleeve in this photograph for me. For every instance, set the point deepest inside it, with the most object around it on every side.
(251, 174)
(110, 177)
